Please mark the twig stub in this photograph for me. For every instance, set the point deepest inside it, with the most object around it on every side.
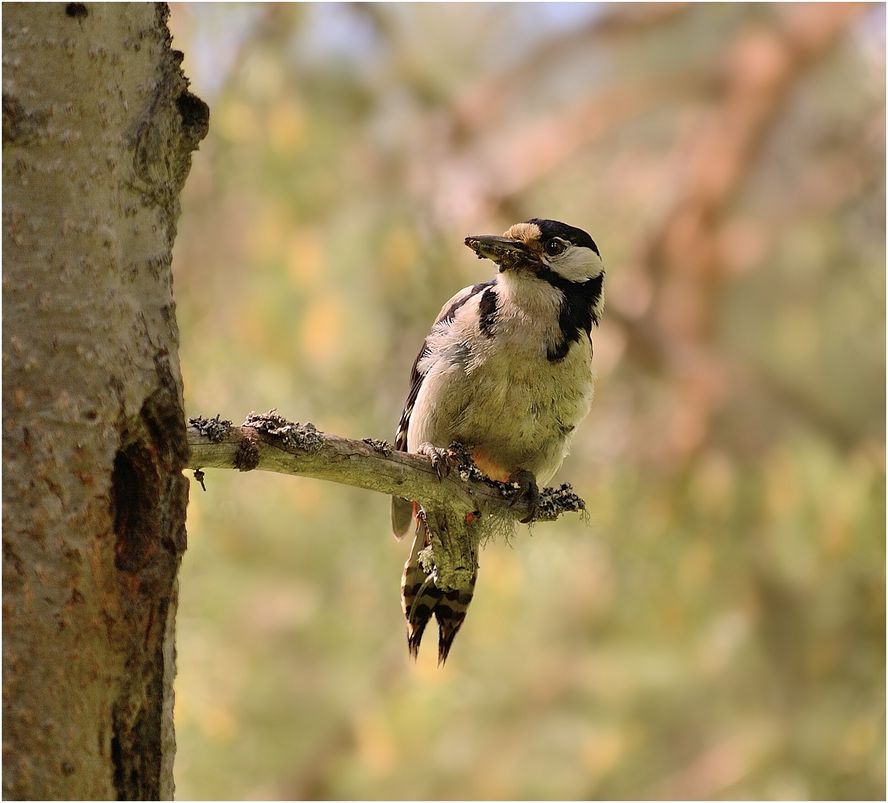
(246, 458)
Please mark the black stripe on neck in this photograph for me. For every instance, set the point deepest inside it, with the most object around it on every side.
(452, 309)
(578, 309)
(487, 308)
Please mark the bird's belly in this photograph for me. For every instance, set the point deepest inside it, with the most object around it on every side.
(513, 413)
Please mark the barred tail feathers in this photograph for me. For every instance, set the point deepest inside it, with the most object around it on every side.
(419, 594)
(421, 597)
(451, 613)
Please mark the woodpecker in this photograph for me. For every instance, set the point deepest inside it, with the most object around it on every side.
(506, 372)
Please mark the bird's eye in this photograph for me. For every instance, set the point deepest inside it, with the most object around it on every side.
(555, 247)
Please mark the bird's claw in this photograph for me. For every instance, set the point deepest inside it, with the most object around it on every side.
(528, 491)
(443, 460)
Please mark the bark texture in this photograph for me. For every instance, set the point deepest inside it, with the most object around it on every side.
(269, 442)
(98, 127)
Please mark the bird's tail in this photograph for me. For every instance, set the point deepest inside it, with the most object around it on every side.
(421, 597)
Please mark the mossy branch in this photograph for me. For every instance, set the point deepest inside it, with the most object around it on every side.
(269, 442)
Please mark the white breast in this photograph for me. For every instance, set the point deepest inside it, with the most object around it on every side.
(501, 393)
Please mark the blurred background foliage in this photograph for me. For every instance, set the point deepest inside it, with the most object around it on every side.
(717, 628)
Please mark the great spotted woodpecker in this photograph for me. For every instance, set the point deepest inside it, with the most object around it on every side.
(506, 371)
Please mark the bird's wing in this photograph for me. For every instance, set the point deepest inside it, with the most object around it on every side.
(402, 509)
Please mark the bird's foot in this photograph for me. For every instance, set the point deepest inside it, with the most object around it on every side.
(528, 491)
(445, 460)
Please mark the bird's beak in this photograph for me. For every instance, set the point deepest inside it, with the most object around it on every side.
(506, 252)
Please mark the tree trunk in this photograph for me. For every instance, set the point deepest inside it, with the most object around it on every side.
(98, 127)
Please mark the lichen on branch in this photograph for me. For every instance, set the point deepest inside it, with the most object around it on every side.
(269, 442)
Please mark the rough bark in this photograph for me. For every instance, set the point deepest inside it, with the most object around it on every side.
(98, 127)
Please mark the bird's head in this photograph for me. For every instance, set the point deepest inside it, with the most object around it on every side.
(545, 249)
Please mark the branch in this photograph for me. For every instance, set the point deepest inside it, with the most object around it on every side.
(271, 443)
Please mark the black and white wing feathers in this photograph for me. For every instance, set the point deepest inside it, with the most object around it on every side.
(402, 509)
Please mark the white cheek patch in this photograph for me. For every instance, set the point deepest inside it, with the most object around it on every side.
(577, 264)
